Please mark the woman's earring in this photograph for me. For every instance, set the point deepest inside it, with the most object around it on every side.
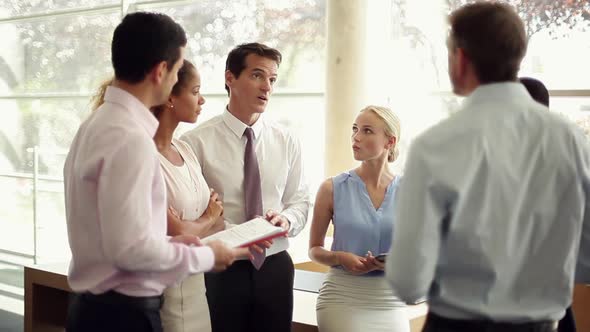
(171, 106)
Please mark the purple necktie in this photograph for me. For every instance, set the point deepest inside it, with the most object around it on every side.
(252, 189)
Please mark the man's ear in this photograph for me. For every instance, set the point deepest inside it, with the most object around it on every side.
(462, 61)
(158, 72)
(229, 78)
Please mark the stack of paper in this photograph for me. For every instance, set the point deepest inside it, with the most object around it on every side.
(248, 233)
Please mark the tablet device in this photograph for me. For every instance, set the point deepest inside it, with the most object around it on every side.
(381, 257)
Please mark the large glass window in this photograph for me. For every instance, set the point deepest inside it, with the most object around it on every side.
(34, 137)
(410, 45)
(56, 53)
(19, 8)
(295, 27)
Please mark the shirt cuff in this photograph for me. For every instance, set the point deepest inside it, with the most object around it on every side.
(290, 219)
(206, 258)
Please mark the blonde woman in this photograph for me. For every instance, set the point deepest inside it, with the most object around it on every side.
(360, 204)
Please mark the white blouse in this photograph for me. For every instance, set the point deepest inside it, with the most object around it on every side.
(188, 192)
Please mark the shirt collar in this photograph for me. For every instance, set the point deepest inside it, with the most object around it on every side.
(138, 110)
(497, 91)
(238, 127)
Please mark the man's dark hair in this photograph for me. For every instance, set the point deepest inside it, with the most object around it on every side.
(236, 59)
(492, 36)
(141, 41)
(536, 89)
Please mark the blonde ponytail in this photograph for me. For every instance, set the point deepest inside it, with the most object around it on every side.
(98, 98)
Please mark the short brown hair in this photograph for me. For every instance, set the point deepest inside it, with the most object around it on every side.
(493, 37)
(236, 59)
(141, 41)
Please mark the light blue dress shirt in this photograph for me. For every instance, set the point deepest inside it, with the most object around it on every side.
(491, 209)
(358, 226)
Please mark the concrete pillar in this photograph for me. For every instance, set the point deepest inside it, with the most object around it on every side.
(345, 81)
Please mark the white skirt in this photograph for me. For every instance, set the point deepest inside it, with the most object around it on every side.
(349, 303)
(185, 306)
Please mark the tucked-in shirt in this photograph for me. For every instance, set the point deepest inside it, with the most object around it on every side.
(116, 206)
(220, 146)
(490, 210)
(187, 190)
(358, 226)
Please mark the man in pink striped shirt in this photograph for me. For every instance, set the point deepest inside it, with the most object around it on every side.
(115, 194)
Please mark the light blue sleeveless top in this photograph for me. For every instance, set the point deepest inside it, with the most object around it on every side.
(358, 226)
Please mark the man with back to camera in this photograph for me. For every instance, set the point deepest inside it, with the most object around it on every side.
(257, 169)
(115, 194)
(495, 198)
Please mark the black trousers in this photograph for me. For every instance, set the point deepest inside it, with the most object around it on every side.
(567, 323)
(436, 323)
(113, 312)
(242, 299)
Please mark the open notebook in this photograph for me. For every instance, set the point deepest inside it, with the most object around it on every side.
(247, 233)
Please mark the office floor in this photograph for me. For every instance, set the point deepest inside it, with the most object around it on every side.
(10, 322)
(11, 298)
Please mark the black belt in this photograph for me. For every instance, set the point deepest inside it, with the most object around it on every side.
(114, 298)
(487, 325)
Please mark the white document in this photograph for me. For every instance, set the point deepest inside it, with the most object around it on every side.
(247, 233)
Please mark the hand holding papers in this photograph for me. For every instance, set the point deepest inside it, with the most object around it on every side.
(248, 233)
(277, 219)
(225, 256)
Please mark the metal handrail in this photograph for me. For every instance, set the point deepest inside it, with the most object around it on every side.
(64, 95)
(16, 253)
(284, 93)
(30, 176)
(552, 93)
(61, 12)
(35, 201)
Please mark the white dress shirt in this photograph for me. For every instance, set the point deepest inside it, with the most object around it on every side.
(490, 210)
(220, 146)
(116, 206)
